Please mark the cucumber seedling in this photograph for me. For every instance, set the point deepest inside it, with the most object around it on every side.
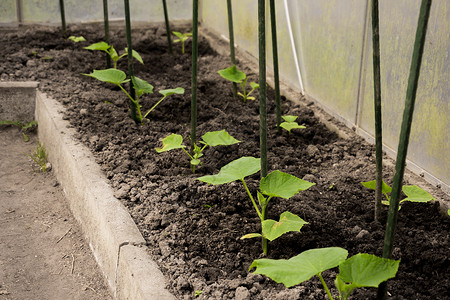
(233, 74)
(141, 87)
(289, 123)
(182, 38)
(212, 139)
(361, 270)
(413, 193)
(276, 184)
(109, 49)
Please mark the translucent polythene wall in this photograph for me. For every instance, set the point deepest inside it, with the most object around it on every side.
(47, 11)
(332, 43)
(325, 51)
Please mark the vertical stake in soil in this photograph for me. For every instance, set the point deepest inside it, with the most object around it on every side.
(273, 23)
(414, 73)
(231, 36)
(106, 22)
(194, 71)
(262, 98)
(130, 59)
(63, 17)
(377, 104)
(166, 19)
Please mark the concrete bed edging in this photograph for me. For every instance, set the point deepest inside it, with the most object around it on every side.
(114, 238)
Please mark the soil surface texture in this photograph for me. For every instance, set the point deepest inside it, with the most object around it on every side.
(43, 254)
(193, 230)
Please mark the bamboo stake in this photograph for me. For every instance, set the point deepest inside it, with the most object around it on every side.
(194, 72)
(166, 19)
(106, 22)
(231, 37)
(130, 59)
(377, 106)
(273, 23)
(262, 97)
(63, 17)
(414, 73)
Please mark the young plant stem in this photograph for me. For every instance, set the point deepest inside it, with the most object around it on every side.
(134, 104)
(166, 19)
(231, 37)
(130, 60)
(194, 72)
(106, 25)
(325, 286)
(263, 217)
(273, 23)
(63, 17)
(252, 199)
(262, 86)
(153, 107)
(193, 166)
(377, 107)
(414, 73)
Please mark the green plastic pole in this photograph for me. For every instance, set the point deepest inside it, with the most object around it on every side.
(231, 36)
(414, 73)
(194, 71)
(273, 23)
(262, 96)
(106, 22)
(130, 59)
(63, 17)
(377, 106)
(166, 19)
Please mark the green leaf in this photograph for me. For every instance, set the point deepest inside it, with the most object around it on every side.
(235, 170)
(195, 162)
(109, 75)
(372, 185)
(301, 267)
(367, 270)
(232, 74)
(289, 118)
(172, 141)
(114, 55)
(169, 92)
(141, 86)
(261, 199)
(254, 85)
(250, 236)
(30, 124)
(288, 222)
(76, 39)
(291, 125)
(136, 55)
(98, 46)
(416, 194)
(279, 184)
(178, 34)
(221, 137)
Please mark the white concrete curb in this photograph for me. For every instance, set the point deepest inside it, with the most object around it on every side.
(114, 238)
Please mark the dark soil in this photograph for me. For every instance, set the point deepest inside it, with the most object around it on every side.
(193, 230)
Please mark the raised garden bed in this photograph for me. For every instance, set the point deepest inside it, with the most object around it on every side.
(193, 230)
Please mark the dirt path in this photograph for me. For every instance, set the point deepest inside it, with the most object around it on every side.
(42, 251)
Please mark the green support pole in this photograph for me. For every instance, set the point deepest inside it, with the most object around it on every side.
(273, 23)
(106, 22)
(130, 59)
(194, 71)
(262, 85)
(63, 17)
(414, 73)
(377, 106)
(166, 19)
(262, 97)
(231, 36)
